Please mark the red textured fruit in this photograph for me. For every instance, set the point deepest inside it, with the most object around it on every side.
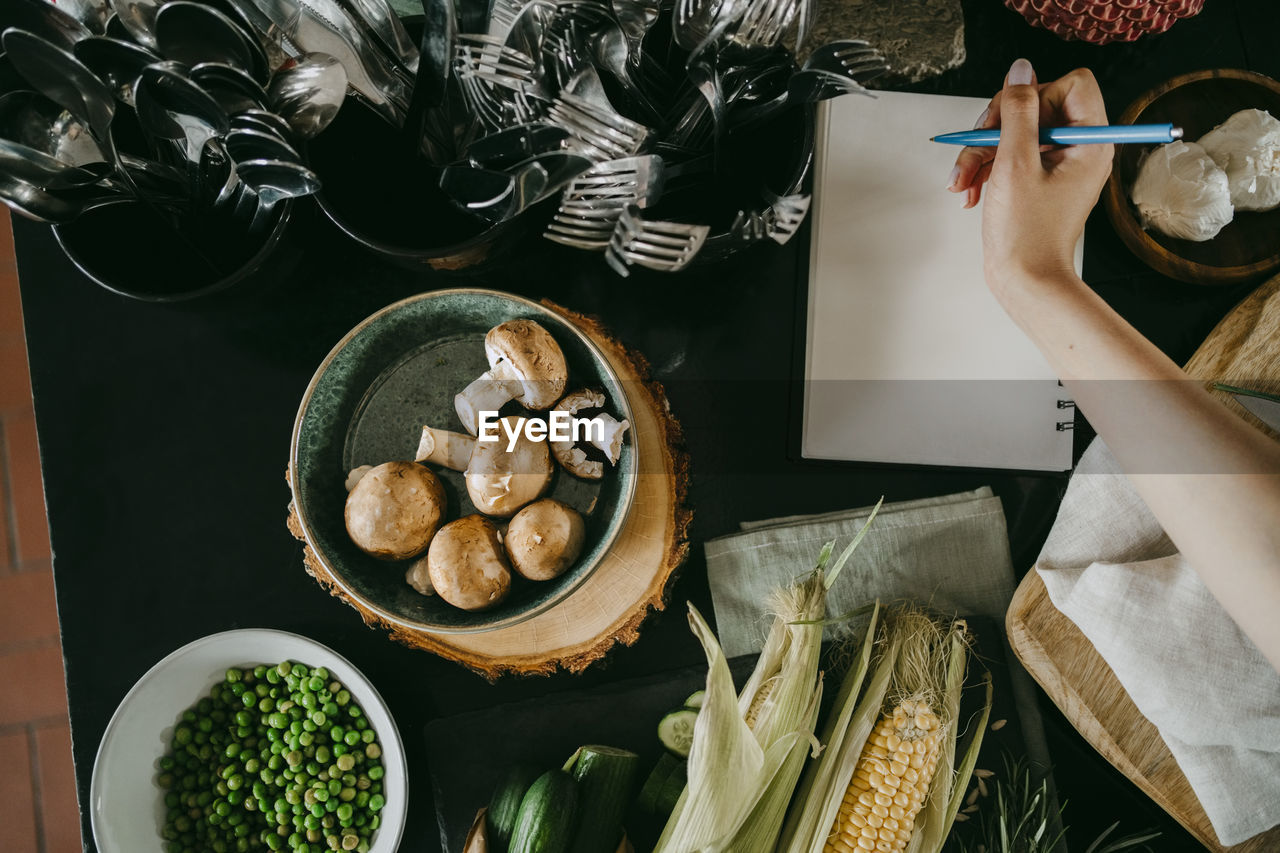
(1102, 21)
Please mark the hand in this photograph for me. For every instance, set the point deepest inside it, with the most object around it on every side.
(1038, 197)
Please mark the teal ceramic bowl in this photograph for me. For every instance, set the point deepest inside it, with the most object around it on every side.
(367, 403)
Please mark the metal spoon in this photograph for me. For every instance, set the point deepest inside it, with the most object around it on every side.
(309, 95)
(274, 181)
(139, 18)
(244, 145)
(35, 203)
(173, 106)
(92, 13)
(62, 78)
(264, 121)
(44, 19)
(33, 120)
(29, 164)
(117, 63)
(231, 87)
(193, 33)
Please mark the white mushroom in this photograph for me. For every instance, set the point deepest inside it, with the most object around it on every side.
(525, 364)
(440, 447)
(499, 481)
(544, 539)
(355, 474)
(467, 565)
(418, 577)
(607, 436)
(394, 510)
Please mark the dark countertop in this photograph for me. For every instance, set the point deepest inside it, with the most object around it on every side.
(164, 431)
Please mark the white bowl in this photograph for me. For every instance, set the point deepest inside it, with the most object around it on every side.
(126, 806)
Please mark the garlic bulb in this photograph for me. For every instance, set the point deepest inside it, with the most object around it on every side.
(1247, 147)
(1181, 192)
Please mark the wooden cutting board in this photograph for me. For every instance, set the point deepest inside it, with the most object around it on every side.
(1244, 349)
(632, 579)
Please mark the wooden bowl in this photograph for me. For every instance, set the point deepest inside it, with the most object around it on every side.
(1249, 247)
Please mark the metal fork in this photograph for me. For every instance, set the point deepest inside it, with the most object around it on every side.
(600, 133)
(583, 225)
(663, 246)
(778, 222)
(629, 181)
(764, 22)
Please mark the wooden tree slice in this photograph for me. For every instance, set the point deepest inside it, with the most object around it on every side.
(633, 577)
(1243, 349)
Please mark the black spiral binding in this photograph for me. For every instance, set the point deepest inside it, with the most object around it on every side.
(1064, 426)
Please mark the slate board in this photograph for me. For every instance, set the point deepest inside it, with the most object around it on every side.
(469, 753)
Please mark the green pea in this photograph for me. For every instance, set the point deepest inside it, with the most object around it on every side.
(375, 772)
(351, 738)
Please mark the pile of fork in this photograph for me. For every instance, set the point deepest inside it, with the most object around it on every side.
(618, 106)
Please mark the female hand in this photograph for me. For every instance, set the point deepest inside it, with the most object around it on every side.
(1038, 197)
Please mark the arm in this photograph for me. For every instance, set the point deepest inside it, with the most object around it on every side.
(1211, 479)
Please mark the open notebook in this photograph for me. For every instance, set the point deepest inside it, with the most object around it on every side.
(909, 358)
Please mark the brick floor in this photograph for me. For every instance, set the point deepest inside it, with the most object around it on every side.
(37, 785)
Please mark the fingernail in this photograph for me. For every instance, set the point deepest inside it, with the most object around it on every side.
(955, 174)
(1021, 73)
(982, 119)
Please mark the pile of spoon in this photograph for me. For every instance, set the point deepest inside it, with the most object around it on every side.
(183, 106)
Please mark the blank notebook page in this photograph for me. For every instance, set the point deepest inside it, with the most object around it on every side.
(909, 357)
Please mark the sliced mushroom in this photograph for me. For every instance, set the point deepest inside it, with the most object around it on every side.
(418, 577)
(394, 510)
(500, 482)
(440, 447)
(544, 539)
(467, 565)
(608, 438)
(525, 364)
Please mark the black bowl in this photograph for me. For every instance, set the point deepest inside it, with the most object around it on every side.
(187, 257)
(758, 162)
(390, 201)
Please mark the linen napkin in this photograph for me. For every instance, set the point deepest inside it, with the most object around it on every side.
(950, 551)
(1110, 568)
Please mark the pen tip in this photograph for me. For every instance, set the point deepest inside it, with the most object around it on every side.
(1175, 133)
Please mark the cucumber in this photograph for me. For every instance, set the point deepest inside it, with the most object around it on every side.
(676, 731)
(606, 782)
(548, 810)
(695, 700)
(505, 805)
(672, 787)
(651, 794)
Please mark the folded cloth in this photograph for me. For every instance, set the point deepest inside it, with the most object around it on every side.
(951, 551)
(1110, 568)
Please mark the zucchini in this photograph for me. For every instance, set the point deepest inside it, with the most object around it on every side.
(676, 731)
(606, 781)
(505, 805)
(652, 794)
(548, 810)
(695, 700)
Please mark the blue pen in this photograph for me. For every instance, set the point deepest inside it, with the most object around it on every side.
(1115, 133)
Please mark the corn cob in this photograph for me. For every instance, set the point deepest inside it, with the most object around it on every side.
(890, 782)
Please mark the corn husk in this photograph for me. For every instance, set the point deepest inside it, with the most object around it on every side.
(906, 653)
(742, 776)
